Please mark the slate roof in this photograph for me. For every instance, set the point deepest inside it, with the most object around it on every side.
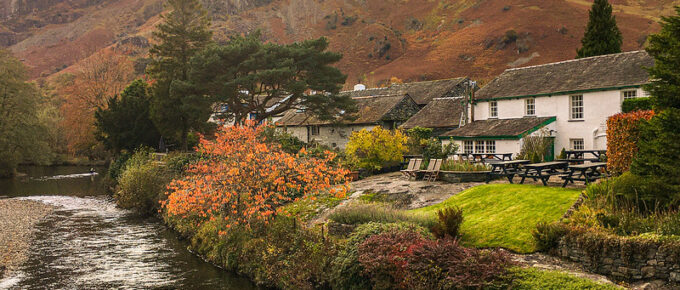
(439, 113)
(501, 128)
(421, 92)
(598, 72)
(371, 110)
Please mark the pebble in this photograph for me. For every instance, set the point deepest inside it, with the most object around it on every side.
(17, 222)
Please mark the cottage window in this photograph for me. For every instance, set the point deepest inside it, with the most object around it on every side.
(467, 147)
(479, 146)
(314, 130)
(490, 146)
(576, 106)
(530, 107)
(629, 94)
(493, 109)
(577, 144)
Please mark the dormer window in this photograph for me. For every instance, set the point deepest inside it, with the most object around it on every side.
(530, 107)
(493, 109)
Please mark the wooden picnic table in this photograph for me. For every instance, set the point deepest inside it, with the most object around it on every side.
(543, 171)
(482, 157)
(584, 172)
(506, 169)
(579, 155)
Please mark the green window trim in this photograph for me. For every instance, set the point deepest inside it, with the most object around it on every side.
(503, 137)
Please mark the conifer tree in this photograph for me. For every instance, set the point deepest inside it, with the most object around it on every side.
(659, 149)
(602, 35)
(175, 109)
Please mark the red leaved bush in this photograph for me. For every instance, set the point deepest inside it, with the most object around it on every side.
(622, 135)
(407, 260)
(243, 178)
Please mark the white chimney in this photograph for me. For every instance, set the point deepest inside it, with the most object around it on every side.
(359, 87)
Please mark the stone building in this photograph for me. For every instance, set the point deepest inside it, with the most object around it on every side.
(440, 114)
(388, 111)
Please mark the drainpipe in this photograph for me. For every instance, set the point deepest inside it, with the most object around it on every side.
(472, 101)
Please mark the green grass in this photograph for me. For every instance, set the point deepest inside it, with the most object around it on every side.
(361, 213)
(503, 215)
(538, 279)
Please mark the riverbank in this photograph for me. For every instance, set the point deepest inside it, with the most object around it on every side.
(17, 222)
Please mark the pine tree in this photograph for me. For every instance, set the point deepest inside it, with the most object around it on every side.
(184, 32)
(602, 35)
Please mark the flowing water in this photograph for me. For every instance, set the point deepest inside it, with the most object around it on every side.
(89, 243)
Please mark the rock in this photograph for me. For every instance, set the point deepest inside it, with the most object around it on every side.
(648, 272)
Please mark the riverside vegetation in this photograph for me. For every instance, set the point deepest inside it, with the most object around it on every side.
(258, 222)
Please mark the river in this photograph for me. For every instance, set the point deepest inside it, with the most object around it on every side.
(89, 243)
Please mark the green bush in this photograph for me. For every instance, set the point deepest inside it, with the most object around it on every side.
(361, 213)
(548, 235)
(142, 185)
(289, 143)
(463, 165)
(433, 149)
(449, 220)
(178, 162)
(536, 147)
(645, 194)
(347, 271)
(117, 165)
(636, 104)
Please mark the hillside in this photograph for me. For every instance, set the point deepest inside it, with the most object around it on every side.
(407, 39)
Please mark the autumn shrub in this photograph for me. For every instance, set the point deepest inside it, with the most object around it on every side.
(376, 148)
(142, 185)
(407, 260)
(449, 220)
(348, 273)
(242, 178)
(623, 133)
(361, 213)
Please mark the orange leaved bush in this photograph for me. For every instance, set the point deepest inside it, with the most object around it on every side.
(622, 135)
(243, 178)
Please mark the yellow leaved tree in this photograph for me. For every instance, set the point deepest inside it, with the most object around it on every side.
(376, 148)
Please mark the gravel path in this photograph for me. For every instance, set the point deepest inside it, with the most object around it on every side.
(17, 220)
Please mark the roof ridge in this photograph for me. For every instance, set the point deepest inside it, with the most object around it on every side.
(405, 84)
(574, 60)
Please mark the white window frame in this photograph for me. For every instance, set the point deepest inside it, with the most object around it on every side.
(490, 146)
(530, 107)
(468, 146)
(575, 143)
(629, 94)
(576, 107)
(493, 109)
(479, 146)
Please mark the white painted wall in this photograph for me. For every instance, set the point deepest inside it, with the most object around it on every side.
(598, 106)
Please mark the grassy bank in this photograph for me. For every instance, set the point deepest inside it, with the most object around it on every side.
(503, 215)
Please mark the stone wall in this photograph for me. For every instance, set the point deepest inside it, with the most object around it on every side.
(627, 260)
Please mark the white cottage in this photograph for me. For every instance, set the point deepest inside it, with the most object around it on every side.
(570, 99)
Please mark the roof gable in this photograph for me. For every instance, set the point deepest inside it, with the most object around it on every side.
(439, 113)
(598, 72)
(371, 110)
(421, 92)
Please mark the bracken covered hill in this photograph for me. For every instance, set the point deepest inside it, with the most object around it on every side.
(408, 39)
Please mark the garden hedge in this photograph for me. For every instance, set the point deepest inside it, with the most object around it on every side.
(622, 135)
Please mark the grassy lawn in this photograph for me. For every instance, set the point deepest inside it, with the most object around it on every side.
(503, 215)
(539, 279)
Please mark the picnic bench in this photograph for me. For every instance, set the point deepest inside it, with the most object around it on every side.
(584, 172)
(543, 171)
(579, 156)
(482, 157)
(505, 169)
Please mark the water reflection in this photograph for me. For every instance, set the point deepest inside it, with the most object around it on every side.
(40, 180)
(88, 243)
